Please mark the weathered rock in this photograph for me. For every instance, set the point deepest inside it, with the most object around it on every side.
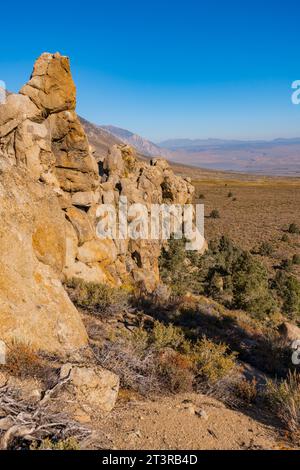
(85, 198)
(2, 352)
(49, 237)
(89, 273)
(82, 224)
(289, 332)
(76, 168)
(51, 87)
(34, 306)
(14, 111)
(92, 386)
(103, 251)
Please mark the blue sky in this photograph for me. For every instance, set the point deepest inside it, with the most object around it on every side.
(167, 69)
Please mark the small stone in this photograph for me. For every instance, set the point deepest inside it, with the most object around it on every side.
(82, 417)
(190, 409)
(202, 414)
(6, 423)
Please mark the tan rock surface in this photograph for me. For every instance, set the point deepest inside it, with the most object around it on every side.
(34, 307)
(92, 386)
(51, 87)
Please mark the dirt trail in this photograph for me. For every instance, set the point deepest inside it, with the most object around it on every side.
(188, 421)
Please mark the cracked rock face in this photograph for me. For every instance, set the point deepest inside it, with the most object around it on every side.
(50, 188)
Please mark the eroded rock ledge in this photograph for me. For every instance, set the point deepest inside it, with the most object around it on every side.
(50, 188)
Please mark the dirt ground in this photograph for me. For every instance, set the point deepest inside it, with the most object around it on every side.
(186, 421)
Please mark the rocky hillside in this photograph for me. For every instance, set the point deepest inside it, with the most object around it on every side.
(51, 186)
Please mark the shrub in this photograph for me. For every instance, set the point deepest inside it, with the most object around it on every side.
(285, 238)
(213, 361)
(284, 398)
(175, 371)
(294, 229)
(265, 249)
(201, 196)
(65, 444)
(296, 259)
(139, 339)
(288, 290)
(246, 390)
(215, 214)
(251, 287)
(98, 299)
(226, 273)
(167, 337)
(23, 361)
(147, 362)
(136, 368)
(176, 268)
(230, 194)
(286, 265)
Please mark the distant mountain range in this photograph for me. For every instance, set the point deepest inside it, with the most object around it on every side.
(276, 157)
(144, 146)
(197, 144)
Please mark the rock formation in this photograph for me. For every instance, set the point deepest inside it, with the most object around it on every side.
(50, 188)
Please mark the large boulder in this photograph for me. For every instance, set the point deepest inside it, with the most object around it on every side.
(94, 387)
(51, 87)
(34, 307)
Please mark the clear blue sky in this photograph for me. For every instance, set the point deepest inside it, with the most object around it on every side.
(167, 69)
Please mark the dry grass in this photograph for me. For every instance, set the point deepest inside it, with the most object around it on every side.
(284, 398)
(23, 361)
(246, 390)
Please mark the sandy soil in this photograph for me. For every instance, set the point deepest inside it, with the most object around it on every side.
(187, 421)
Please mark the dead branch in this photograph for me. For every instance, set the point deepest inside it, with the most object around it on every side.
(29, 422)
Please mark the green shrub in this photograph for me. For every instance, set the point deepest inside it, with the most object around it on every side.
(163, 336)
(251, 287)
(226, 273)
(265, 249)
(288, 290)
(285, 238)
(177, 268)
(296, 259)
(294, 229)
(286, 265)
(98, 299)
(213, 361)
(215, 214)
(66, 444)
